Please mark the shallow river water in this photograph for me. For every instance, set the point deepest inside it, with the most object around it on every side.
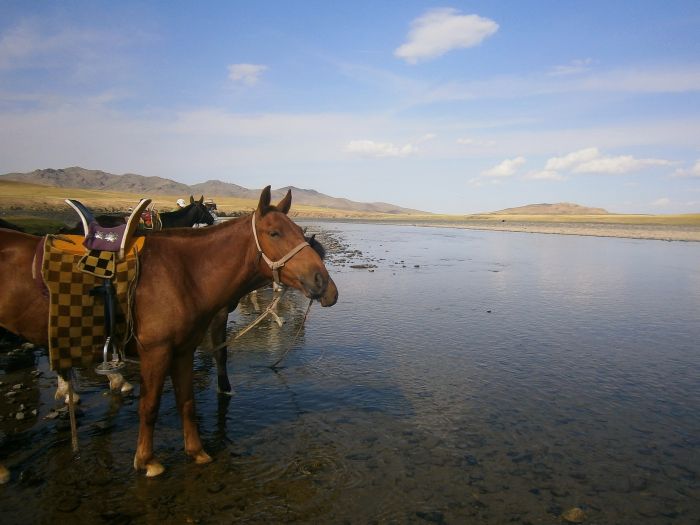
(464, 377)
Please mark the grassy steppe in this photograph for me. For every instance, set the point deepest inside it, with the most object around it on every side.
(20, 201)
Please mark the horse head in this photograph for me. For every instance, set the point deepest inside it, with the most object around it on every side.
(200, 213)
(285, 251)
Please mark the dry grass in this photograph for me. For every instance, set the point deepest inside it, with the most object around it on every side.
(17, 198)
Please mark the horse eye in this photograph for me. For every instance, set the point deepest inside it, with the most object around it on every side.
(274, 233)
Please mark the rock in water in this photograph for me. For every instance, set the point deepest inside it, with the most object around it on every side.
(574, 515)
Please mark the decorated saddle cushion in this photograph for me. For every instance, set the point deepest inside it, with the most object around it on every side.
(76, 318)
(103, 238)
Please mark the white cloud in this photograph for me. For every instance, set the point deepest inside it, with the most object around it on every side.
(591, 160)
(507, 168)
(661, 202)
(67, 52)
(667, 79)
(572, 159)
(545, 175)
(441, 30)
(467, 141)
(248, 74)
(370, 148)
(693, 172)
(575, 67)
(618, 165)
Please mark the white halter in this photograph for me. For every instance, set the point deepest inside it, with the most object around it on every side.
(276, 265)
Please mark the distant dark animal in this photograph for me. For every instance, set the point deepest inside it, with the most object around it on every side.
(194, 213)
(178, 273)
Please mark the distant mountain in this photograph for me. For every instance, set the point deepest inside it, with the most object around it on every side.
(561, 208)
(77, 177)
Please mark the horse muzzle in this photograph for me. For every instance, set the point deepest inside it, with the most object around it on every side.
(322, 288)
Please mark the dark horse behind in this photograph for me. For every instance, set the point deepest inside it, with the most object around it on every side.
(194, 213)
(165, 339)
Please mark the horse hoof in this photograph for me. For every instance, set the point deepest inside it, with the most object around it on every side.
(127, 388)
(153, 469)
(4, 474)
(224, 392)
(116, 382)
(76, 399)
(202, 458)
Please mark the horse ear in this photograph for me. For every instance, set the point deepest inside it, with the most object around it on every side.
(285, 203)
(201, 199)
(264, 204)
(191, 199)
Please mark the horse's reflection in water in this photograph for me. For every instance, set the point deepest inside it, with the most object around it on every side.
(281, 327)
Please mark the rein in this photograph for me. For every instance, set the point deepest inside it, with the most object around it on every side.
(268, 311)
(276, 265)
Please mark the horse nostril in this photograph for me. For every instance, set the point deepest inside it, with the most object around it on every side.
(319, 281)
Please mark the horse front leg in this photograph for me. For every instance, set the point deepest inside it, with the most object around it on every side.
(154, 367)
(181, 374)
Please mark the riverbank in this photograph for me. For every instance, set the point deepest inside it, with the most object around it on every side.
(649, 232)
(663, 228)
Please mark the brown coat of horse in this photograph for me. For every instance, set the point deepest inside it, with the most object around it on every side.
(180, 274)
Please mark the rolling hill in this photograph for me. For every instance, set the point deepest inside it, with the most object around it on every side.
(561, 208)
(76, 177)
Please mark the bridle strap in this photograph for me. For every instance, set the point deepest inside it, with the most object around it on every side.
(276, 265)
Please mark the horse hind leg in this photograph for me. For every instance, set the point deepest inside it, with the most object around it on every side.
(217, 331)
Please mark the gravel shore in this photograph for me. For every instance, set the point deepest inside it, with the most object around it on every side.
(631, 231)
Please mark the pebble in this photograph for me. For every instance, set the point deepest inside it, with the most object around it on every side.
(574, 515)
(19, 415)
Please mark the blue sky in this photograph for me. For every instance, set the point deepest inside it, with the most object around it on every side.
(453, 107)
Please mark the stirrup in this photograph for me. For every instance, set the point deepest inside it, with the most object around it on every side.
(109, 367)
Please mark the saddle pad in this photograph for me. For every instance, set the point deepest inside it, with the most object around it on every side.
(76, 319)
(74, 244)
(99, 263)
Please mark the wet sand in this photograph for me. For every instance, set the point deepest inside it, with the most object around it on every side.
(631, 231)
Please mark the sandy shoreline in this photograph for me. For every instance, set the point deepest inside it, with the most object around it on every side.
(659, 232)
(647, 232)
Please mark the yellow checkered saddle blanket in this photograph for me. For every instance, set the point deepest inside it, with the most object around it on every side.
(77, 318)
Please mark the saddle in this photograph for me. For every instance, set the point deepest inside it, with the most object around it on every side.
(150, 220)
(114, 239)
(91, 281)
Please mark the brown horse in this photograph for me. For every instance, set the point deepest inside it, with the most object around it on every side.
(190, 286)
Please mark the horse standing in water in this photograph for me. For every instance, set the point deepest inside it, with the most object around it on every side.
(190, 287)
